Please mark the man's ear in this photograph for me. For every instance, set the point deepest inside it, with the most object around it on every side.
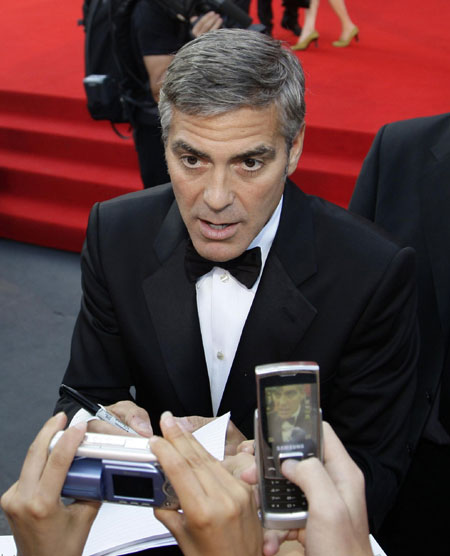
(296, 151)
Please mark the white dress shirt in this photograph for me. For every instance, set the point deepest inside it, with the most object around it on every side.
(223, 304)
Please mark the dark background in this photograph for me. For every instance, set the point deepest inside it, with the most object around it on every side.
(39, 299)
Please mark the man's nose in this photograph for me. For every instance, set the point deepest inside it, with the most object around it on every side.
(218, 193)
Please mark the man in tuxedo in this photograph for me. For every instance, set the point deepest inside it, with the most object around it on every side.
(289, 419)
(286, 420)
(404, 187)
(190, 285)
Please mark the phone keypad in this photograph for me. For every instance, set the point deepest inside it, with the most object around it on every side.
(282, 495)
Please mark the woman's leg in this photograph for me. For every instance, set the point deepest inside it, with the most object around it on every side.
(341, 11)
(309, 25)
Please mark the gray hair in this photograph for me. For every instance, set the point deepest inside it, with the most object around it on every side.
(228, 69)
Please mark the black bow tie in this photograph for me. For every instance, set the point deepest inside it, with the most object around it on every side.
(245, 268)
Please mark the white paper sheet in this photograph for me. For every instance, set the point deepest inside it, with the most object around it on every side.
(7, 546)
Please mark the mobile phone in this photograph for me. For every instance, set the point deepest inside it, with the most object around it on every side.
(288, 425)
(119, 469)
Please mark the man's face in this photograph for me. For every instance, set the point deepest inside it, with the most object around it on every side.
(287, 400)
(228, 174)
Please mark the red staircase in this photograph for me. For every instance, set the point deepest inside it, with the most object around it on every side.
(56, 162)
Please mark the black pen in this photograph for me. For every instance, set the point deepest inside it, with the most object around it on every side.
(95, 408)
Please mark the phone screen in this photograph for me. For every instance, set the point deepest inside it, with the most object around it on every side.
(290, 413)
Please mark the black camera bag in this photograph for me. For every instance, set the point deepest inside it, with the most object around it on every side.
(113, 76)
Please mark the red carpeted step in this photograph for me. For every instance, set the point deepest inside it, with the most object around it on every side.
(69, 156)
(28, 181)
(56, 114)
(55, 163)
(64, 130)
(42, 222)
(331, 162)
(332, 187)
(61, 204)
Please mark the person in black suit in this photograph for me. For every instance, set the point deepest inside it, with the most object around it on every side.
(404, 186)
(288, 415)
(289, 19)
(329, 289)
(156, 35)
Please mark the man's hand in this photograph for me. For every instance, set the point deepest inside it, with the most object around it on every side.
(208, 22)
(40, 522)
(219, 512)
(247, 446)
(129, 413)
(239, 464)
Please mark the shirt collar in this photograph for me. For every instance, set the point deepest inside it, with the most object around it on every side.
(266, 236)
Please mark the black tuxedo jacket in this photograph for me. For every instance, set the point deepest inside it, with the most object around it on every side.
(333, 291)
(404, 187)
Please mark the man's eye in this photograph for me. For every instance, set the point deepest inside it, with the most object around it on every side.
(190, 161)
(251, 164)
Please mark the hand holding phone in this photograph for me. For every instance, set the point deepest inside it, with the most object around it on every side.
(288, 425)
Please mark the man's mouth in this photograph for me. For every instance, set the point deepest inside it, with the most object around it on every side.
(216, 232)
(217, 226)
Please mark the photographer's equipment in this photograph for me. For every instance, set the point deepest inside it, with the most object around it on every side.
(114, 80)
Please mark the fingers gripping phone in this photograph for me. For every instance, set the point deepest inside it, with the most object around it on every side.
(288, 424)
(117, 468)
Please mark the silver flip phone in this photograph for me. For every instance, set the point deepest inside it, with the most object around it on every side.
(288, 425)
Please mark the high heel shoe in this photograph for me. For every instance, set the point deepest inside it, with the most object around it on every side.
(303, 45)
(341, 43)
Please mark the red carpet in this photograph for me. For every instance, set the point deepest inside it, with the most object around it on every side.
(55, 161)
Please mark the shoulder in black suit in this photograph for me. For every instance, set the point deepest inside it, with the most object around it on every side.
(404, 187)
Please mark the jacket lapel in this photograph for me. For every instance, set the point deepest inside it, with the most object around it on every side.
(171, 301)
(280, 314)
(435, 214)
